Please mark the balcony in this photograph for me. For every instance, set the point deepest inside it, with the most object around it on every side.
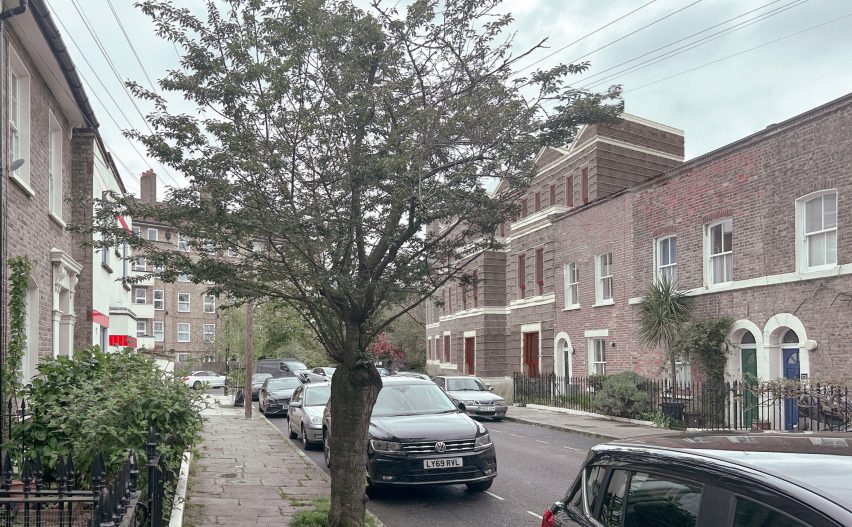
(143, 311)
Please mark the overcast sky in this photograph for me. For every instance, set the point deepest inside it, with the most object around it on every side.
(714, 104)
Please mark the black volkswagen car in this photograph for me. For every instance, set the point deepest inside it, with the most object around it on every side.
(713, 479)
(418, 436)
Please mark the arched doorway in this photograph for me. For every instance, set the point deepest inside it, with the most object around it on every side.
(748, 376)
(562, 359)
(791, 369)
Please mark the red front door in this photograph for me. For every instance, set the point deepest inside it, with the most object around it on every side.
(531, 354)
(469, 355)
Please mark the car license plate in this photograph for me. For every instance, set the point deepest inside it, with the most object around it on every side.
(447, 462)
(486, 408)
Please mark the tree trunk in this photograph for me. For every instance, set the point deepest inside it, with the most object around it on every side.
(353, 394)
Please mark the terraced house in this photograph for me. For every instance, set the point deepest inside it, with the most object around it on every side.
(758, 231)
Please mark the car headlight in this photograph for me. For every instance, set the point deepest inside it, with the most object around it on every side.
(316, 420)
(385, 446)
(499, 402)
(482, 442)
(468, 403)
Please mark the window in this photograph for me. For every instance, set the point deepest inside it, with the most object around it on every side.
(54, 167)
(522, 275)
(141, 328)
(667, 260)
(183, 243)
(209, 304)
(158, 331)
(818, 218)
(720, 250)
(475, 289)
(183, 277)
(209, 332)
(183, 332)
(569, 191)
(209, 248)
(105, 257)
(539, 271)
(159, 300)
(140, 295)
(124, 260)
(157, 269)
(230, 253)
(584, 174)
(612, 507)
(502, 230)
(603, 269)
(537, 201)
(183, 302)
(659, 500)
(139, 264)
(750, 513)
(19, 118)
(463, 287)
(137, 230)
(183, 357)
(524, 208)
(572, 285)
(446, 348)
(153, 234)
(552, 201)
(597, 356)
(683, 372)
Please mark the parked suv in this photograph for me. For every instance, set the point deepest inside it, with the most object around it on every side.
(419, 437)
(713, 479)
(283, 368)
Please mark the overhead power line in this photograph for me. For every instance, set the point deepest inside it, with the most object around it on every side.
(132, 47)
(740, 53)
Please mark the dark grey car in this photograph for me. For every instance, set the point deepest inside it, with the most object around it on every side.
(275, 395)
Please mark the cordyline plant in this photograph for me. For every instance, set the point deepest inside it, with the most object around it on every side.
(663, 314)
(325, 139)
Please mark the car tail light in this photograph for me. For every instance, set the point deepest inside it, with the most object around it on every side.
(547, 520)
(186, 378)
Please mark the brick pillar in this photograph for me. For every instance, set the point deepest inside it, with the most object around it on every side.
(148, 187)
(82, 184)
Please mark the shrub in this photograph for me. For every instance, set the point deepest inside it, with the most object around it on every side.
(104, 403)
(624, 394)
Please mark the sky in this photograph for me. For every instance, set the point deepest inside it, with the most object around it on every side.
(722, 69)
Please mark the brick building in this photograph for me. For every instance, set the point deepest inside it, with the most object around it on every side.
(49, 142)
(753, 231)
(178, 318)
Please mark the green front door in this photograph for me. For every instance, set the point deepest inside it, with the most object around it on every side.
(750, 401)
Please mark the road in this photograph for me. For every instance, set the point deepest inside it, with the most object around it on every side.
(535, 466)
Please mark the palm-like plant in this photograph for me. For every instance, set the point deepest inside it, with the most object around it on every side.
(662, 315)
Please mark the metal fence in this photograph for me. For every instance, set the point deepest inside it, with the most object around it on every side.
(32, 495)
(738, 405)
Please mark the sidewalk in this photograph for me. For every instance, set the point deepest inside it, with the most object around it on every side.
(580, 422)
(247, 473)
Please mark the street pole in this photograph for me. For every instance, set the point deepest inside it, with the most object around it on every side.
(249, 355)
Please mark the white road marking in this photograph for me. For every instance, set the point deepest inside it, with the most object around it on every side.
(495, 496)
(545, 442)
(534, 514)
(572, 448)
(496, 431)
(516, 435)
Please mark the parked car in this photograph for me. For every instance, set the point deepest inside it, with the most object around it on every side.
(305, 414)
(709, 479)
(419, 437)
(257, 381)
(275, 394)
(283, 368)
(198, 379)
(475, 394)
(414, 374)
(322, 374)
(384, 372)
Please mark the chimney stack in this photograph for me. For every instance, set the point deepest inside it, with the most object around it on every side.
(148, 187)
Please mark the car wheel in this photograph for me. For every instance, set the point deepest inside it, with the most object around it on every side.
(305, 443)
(481, 486)
(196, 385)
(292, 434)
(326, 449)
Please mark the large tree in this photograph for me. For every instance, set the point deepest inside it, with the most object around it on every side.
(324, 141)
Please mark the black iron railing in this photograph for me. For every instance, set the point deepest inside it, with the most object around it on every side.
(737, 405)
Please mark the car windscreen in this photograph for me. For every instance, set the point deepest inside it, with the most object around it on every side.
(412, 399)
(828, 474)
(317, 395)
(260, 377)
(464, 385)
(293, 365)
(284, 383)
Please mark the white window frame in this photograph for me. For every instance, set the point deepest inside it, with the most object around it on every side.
(140, 264)
(659, 267)
(183, 243)
(54, 168)
(596, 366)
(708, 256)
(571, 276)
(803, 237)
(187, 332)
(156, 236)
(19, 122)
(230, 253)
(188, 303)
(683, 373)
(137, 296)
(601, 279)
(183, 357)
(159, 335)
(209, 333)
(209, 301)
(137, 231)
(144, 330)
(161, 301)
(183, 277)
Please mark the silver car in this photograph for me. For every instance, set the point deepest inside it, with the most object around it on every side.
(321, 374)
(474, 394)
(305, 414)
